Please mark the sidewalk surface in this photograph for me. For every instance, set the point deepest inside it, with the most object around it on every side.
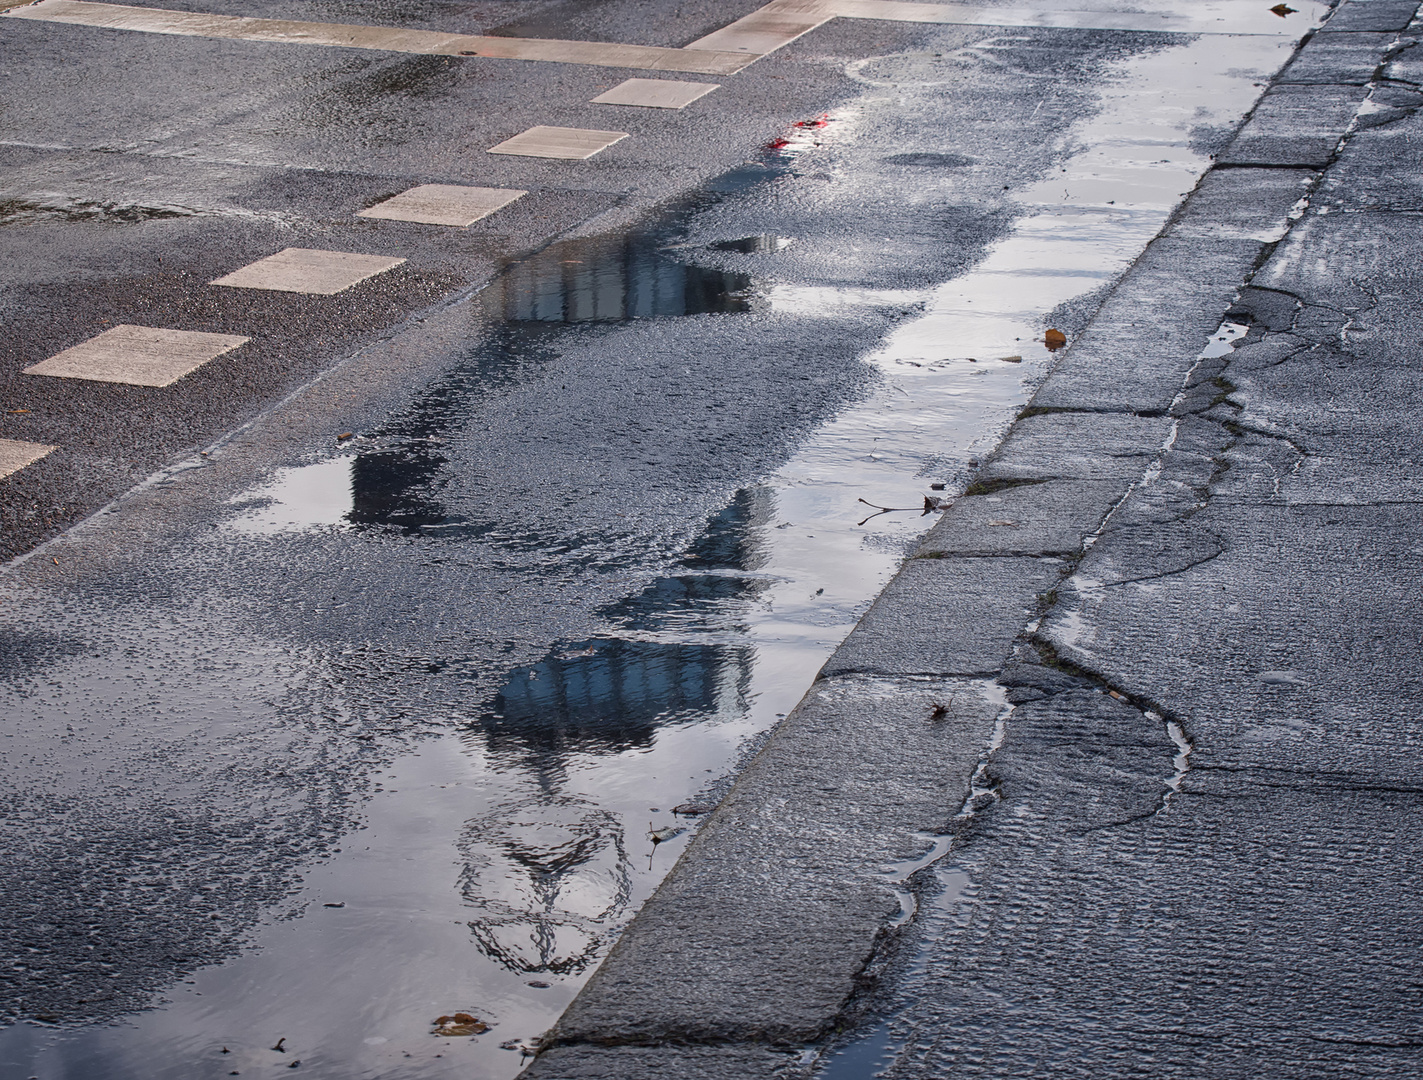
(1152, 688)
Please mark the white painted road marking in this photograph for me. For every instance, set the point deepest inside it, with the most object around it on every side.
(308, 270)
(137, 355)
(558, 142)
(655, 93)
(15, 454)
(443, 204)
(394, 39)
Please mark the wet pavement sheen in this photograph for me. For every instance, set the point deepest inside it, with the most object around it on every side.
(401, 729)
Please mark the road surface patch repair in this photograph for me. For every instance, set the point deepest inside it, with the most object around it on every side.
(576, 144)
(15, 454)
(655, 93)
(137, 355)
(307, 270)
(443, 204)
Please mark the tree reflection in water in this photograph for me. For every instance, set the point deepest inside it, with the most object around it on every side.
(549, 881)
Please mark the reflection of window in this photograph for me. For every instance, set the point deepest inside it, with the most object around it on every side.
(607, 280)
(549, 880)
(609, 695)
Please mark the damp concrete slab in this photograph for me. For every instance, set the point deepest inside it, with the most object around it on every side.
(849, 785)
(1077, 446)
(137, 355)
(443, 204)
(559, 142)
(15, 454)
(655, 93)
(658, 1062)
(1048, 518)
(1241, 204)
(1134, 359)
(308, 270)
(1373, 15)
(1295, 125)
(1339, 58)
(1380, 168)
(946, 616)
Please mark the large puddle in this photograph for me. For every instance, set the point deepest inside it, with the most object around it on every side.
(498, 860)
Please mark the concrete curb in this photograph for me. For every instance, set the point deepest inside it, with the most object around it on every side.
(764, 938)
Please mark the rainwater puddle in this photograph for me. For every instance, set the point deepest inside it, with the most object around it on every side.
(299, 498)
(496, 863)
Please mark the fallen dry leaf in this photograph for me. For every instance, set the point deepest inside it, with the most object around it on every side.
(1054, 340)
(461, 1023)
(1282, 10)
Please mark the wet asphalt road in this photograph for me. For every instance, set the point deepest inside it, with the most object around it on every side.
(210, 687)
(1139, 761)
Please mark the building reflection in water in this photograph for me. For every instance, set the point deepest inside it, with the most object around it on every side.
(609, 279)
(548, 878)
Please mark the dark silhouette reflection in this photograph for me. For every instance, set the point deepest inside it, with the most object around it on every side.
(599, 279)
(760, 244)
(718, 584)
(548, 882)
(396, 487)
(733, 539)
(610, 279)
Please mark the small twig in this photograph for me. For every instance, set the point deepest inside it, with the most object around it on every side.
(883, 510)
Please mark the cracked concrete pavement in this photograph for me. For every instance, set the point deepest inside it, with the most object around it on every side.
(1153, 677)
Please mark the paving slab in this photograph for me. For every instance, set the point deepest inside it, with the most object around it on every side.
(1298, 125)
(655, 93)
(1381, 168)
(137, 355)
(1076, 446)
(1048, 518)
(1241, 204)
(847, 786)
(558, 142)
(1132, 359)
(1371, 15)
(308, 270)
(979, 606)
(659, 1062)
(443, 204)
(15, 454)
(1339, 58)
